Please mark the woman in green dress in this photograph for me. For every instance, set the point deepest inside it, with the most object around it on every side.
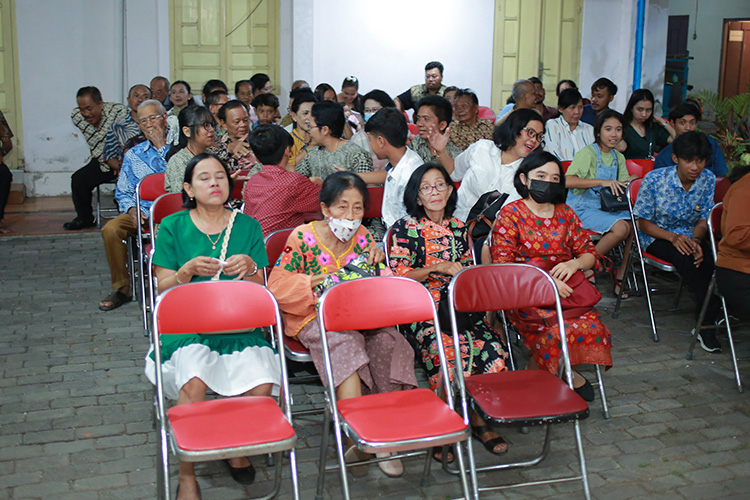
(644, 135)
(209, 242)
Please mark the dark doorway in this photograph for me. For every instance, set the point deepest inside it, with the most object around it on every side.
(735, 58)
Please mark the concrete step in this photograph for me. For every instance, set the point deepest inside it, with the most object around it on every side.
(17, 193)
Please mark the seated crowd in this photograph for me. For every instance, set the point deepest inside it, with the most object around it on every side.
(310, 170)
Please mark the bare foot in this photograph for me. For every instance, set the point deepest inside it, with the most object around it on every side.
(188, 488)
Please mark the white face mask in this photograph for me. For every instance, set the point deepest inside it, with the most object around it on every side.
(343, 229)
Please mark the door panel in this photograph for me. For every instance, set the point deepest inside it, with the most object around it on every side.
(10, 102)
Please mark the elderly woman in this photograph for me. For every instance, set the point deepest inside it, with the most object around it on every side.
(566, 134)
(209, 242)
(540, 229)
(363, 361)
(594, 168)
(644, 135)
(197, 128)
(431, 246)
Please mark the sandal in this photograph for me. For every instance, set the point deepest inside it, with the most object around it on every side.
(617, 283)
(489, 445)
(437, 455)
(116, 299)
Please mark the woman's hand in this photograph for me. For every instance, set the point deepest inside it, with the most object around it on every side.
(376, 256)
(563, 289)
(564, 270)
(241, 265)
(201, 266)
(449, 268)
(616, 186)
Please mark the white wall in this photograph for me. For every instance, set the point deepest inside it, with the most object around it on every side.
(706, 48)
(655, 47)
(63, 46)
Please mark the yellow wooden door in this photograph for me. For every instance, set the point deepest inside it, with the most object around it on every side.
(10, 102)
(535, 38)
(226, 39)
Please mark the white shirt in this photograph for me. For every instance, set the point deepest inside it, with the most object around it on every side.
(487, 173)
(561, 142)
(395, 184)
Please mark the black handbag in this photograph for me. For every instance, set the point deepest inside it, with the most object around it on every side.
(611, 202)
(483, 214)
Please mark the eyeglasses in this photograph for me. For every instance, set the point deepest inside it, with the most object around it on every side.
(149, 119)
(533, 134)
(208, 126)
(439, 187)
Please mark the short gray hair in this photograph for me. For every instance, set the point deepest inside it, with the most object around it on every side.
(518, 89)
(153, 102)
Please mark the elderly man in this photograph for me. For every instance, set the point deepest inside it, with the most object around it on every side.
(468, 128)
(547, 112)
(523, 95)
(125, 132)
(93, 117)
(433, 84)
(160, 91)
(141, 160)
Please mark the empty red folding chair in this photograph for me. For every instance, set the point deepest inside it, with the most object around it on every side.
(394, 421)
(228, 427)
(714, 232)
(375, 207)
(639, 167)
(523, 397)
(720, 189)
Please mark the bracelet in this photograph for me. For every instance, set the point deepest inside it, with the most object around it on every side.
(177, 277)
(255, 270)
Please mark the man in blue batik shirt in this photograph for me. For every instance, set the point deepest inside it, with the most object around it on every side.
(684, 118)
(140, 161)
(672, 210)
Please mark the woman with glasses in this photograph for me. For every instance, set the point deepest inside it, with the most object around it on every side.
(431, 246)
(197, 127)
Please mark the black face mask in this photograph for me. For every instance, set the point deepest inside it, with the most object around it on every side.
(543, 191)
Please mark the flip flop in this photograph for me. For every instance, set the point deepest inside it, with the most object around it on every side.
(117, 298)
(439, 450)
(490, 444)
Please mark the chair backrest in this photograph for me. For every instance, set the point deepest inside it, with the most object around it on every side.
(387, 245)
(359, 304)
(714, 227)
(164, 205)
(639, 167)
(239, 186)
(485, 112)
(413, 128)
(633, 188)
(151, 187)
(566, 165)
(720, 189)
(375, 208)
(215, 307)
(275, 243)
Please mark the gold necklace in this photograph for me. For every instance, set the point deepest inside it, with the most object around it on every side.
(205, 232)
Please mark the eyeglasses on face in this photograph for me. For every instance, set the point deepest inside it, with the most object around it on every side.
(533, 134)
(149, 119)
(207, 125)
(439, 186)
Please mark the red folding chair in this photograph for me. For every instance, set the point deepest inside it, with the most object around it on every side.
(148, 189)
(714, 232)
(523, 397)
(375, 208)
(487, 113)
(413, 128)
(239, 186)
(566, 165)
(228, 427)
(639, 167)
(720, 189)
(394, 421)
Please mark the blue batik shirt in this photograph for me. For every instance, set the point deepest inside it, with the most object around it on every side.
(716, 164)
(123, 129)
(663, 201)
(141, 160)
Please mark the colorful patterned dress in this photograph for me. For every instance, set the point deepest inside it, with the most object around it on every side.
(419, 243)
(521, 236)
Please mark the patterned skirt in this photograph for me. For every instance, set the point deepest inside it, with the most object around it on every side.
(482, 350)
(229, 364)
(589, 341)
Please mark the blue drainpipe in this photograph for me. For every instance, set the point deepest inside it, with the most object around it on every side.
(638, 60)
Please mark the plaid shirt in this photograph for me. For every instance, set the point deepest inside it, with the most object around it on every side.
(278, 199)
(95, 137)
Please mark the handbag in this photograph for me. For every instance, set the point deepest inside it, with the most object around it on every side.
(484, 212)
(355, 269)
(611, 202)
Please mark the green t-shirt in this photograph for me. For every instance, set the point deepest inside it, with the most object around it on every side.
(584, 165)
(639, 147)
(179, 240)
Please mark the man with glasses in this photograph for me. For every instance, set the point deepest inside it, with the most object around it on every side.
(140, 161)
(93, 117)
(468, 128)
(433, 84)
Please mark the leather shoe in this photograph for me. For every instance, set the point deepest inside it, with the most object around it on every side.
(391, 468)
(586, 391)
(78, 224)
(243, 475)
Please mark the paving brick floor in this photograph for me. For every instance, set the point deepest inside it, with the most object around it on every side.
(76, 412)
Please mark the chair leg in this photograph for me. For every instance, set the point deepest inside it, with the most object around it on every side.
(338, 435)
(600, 382)
(508, 341)
(582, 461)
(655, 335)
(425, 481)
(701, 317)
(98, 208)
(731, 345)
(295, 474)
(462, 471)
(143, 296)
(323, 455)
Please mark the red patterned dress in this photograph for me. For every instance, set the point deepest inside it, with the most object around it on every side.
(521, 236)
(418, 243)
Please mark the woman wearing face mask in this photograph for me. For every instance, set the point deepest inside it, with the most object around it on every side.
(375, 100)
(374, 360)
(542, 230)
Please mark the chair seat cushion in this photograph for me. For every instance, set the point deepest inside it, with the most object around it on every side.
(228, 423)
(400, 416)
(525, 396)
(295, 346)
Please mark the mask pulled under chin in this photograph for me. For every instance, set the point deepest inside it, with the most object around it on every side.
(343, 229)
(543, 191)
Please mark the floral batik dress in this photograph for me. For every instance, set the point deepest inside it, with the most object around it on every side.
(418, 243)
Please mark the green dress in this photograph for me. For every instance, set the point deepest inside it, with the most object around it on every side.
(230, 364)
(655, 140)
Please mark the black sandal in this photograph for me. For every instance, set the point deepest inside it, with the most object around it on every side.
(489, 445)
(117, 298)
(439, 450)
